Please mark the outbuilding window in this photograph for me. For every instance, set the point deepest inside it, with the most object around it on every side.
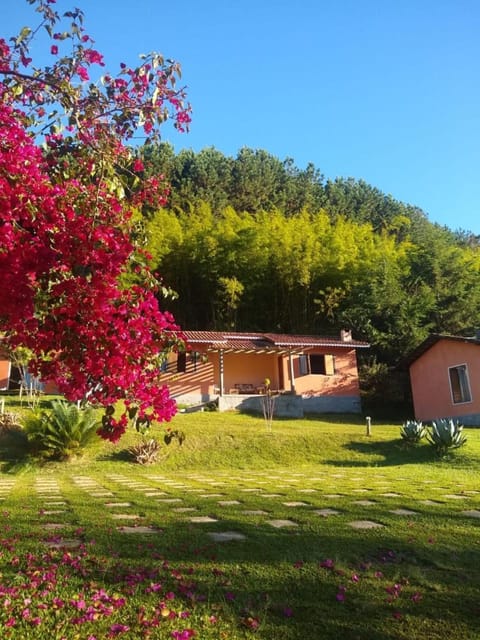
(459, 384)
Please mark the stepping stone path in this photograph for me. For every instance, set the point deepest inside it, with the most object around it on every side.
(120, 497)
(91, 486)
(5, 488)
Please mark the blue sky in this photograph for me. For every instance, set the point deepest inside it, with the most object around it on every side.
(381, 90)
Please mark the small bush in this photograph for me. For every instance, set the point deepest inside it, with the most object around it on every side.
(9, 421)
(446, 434)
(412, 431)
(145, 452)
(61, 432)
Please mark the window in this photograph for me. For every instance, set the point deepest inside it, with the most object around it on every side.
(459, 384)
(317, 364)
(181, 362)
(303, 365)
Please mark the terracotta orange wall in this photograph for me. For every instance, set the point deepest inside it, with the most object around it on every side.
(4, 373)
(238, 368)
(244, 368)
(191, 382)
(344, 382)
(430, 383)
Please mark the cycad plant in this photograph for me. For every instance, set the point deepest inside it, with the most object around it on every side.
(412, 431)
(446, 434)
(61, 432)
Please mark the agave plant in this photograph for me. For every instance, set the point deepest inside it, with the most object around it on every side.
(61, 432)
(412, 431)
(446, 434)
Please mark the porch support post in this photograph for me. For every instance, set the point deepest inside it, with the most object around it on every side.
(292, 375)
(220, 367)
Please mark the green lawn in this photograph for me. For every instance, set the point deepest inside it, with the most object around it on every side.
(103, 548)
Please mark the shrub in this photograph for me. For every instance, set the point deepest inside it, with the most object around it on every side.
(412, 431)
(145, 452)
(61, 432)
(9, 421)
(446, 434)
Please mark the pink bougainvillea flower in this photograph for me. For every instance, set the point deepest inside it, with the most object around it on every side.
(341, 593)
(186, 634)
(83, 73)
(115, 629)
(327, 564)
(138, 165)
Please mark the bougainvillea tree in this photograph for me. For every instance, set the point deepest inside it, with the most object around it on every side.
(76, 287)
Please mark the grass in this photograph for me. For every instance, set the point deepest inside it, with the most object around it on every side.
(417, 577)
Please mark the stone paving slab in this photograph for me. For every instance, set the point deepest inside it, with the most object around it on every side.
(255, 512)
(202, 519)
(404, 512)
(114, 505)
(138, 529)
(295, 504)
(226, 536)
(280, 524)
(325, 513)
(365, 524)
(471, 513)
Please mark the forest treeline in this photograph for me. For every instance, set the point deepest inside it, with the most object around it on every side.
(254, 243)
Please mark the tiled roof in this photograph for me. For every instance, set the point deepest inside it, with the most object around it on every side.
(431, 341)
(229, 340)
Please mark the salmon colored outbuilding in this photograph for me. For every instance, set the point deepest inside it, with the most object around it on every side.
(445, 378)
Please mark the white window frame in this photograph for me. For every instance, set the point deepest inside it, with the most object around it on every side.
(462, 383)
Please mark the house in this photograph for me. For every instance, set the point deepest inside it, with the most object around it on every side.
(445, 378)
(310, 374)
(5, 371)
